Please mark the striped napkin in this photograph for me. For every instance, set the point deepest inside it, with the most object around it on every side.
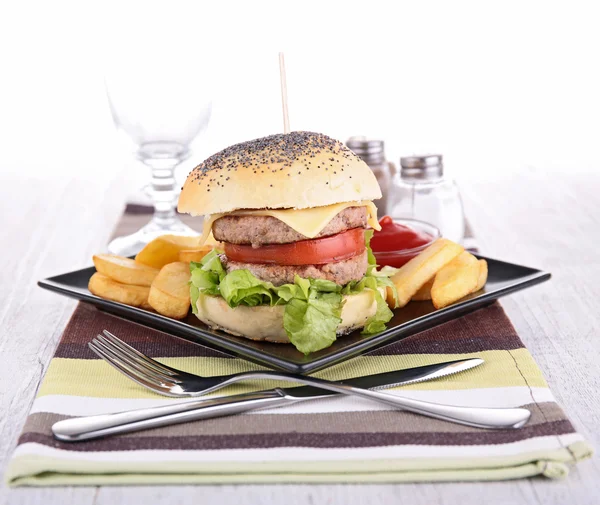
(339, 439)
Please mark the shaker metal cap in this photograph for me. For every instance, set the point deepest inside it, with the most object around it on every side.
(429, 166)
(426, 161)
(370, 150)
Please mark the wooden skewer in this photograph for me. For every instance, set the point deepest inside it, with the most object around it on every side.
(286, 118)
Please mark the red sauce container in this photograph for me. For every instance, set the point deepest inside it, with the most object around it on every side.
(401, 239)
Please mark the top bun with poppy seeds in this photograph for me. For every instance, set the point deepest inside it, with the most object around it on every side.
(296, 170)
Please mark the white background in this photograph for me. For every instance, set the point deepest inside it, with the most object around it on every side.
(497, 87)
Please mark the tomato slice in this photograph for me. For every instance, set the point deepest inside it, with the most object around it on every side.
(341, 246)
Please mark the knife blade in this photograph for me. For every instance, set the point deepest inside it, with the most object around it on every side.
(96, 426)
(390, 379)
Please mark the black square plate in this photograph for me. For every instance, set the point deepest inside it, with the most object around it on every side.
(503, 279)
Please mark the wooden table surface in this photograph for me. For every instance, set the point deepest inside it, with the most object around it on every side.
(549, 220)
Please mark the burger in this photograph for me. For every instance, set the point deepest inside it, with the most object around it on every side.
(294, 215)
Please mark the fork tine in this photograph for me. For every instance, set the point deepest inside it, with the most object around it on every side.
(132, 363)
(159, 367)
(135, 362)
(127, 372)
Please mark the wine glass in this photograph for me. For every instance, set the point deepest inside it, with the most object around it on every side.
(161, 112)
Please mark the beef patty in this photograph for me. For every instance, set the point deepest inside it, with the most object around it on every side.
(261, 230)
(340, 272)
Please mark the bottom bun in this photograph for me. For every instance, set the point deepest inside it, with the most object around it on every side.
(266, 323)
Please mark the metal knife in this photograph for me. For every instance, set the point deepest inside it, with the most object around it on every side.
(90, 427)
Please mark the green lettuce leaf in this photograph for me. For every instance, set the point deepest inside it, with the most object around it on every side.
(206, 277)
(194, 295)
(370, 256)
(311, 323)
(290, 291)
(241, 286)
(383, 314)
(325, 285)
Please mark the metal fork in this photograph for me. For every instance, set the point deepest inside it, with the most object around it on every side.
(169, 381)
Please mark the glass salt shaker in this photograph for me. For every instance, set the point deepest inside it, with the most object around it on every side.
(372, 152)
(420, 191)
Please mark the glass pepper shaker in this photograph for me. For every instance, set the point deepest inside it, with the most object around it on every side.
(372, 152)
(420, 191)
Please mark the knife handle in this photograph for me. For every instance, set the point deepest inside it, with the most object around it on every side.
(89, 427)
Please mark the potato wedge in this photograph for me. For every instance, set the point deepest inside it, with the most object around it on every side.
(483, 274)
(165, 249)
(147, 306)
(413, 275)
(124, 270)
(170, 291)
(105, 287)
(189, 255)
(455, 280)
(425, 292)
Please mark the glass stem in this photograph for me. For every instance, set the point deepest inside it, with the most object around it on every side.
(163, 191)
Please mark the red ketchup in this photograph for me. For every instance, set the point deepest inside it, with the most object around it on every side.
(396, 243)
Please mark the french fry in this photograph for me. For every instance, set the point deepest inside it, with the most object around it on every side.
(455, 280)
(124, 270)
(425, 292)
(147, 306)
(189, 255)
(483, 274)
(165, 249)
(170, 292)
(416, 272)
(105, 287)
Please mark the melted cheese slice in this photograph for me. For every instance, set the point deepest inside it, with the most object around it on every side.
(308, 222)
